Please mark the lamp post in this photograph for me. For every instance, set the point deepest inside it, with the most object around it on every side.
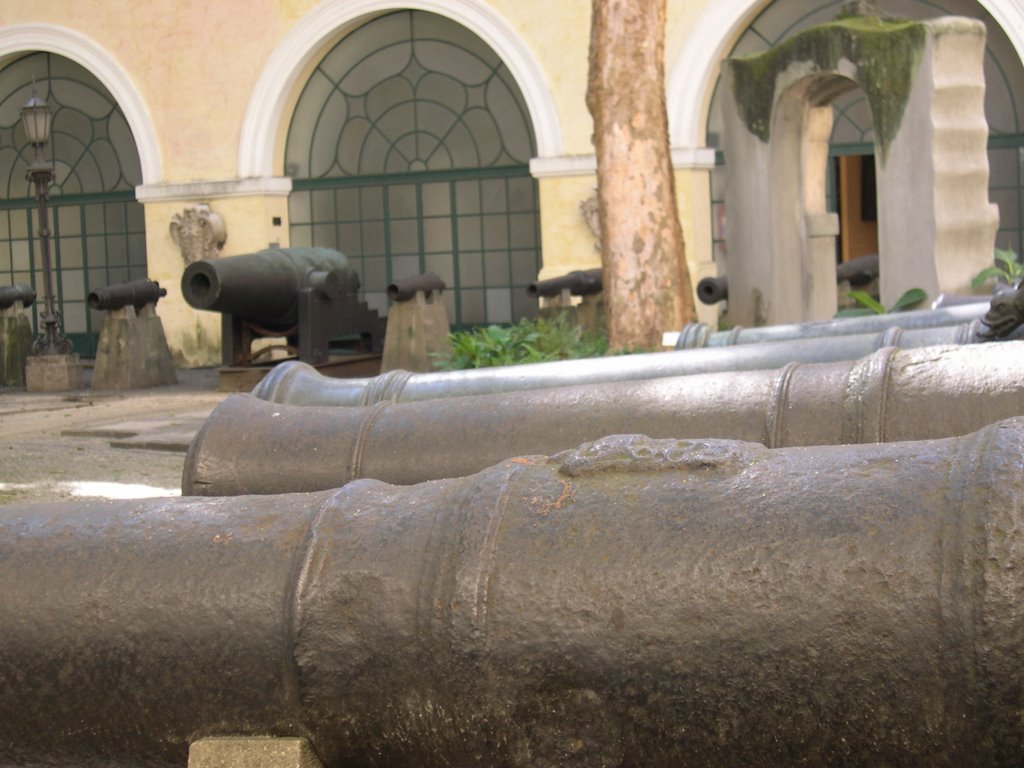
(36, 119)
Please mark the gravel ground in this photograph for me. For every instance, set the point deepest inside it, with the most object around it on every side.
(40, 463)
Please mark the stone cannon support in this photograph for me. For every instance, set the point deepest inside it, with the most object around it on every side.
(630, 602)
(15, 333)
(417, 328)
(299, 384)
(248, 445)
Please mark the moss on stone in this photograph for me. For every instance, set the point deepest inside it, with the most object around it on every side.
(886, 54)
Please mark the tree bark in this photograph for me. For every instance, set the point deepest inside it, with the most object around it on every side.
(646, 280)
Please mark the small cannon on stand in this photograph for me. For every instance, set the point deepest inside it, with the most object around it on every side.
(15, 333)
(560, 290)
(132, 351)
(307, 295)
(417, 324)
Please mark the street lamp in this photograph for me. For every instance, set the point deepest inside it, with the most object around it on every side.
(36, 119)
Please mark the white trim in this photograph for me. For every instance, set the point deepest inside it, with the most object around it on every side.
(683, 158)
(22, 38)
(265, 112)
(268, 186)
(695, 71)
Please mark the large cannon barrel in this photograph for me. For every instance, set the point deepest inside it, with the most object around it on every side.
(585, 282)
(300, 384)
(697, 335)
(9, 294)
(262, 286)
(248, 445)
(630, 602)
(407, 288)
(136, 293)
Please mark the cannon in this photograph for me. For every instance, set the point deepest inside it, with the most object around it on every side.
(628, 602)
(697, 335)
(426, 283)
(248, 445)
(295, 383)
(307, 295)
(136, 293)
(711, 290)
(9, 294)
(578, 283)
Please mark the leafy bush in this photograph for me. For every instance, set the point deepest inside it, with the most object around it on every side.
(869, 305)
(1008, 270)
(528, 341)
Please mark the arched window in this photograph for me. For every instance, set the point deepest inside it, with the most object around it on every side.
(409, 149)
(98, 228)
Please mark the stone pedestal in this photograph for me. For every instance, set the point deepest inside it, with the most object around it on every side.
(15, 344)
(53, 373)
(417, 334)
(256, 752)
(132, 351)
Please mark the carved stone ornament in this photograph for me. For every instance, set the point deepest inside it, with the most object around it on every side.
(1005, 314)
(591, 214)
(198, 232)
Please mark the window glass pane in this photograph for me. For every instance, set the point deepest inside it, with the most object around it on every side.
(471, 269)
(437, 235)
(496, 268)
(442, 265)
(499, 305)
(472, 306)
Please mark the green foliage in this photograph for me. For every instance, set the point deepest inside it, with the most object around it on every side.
(1008, 270)
(529, 341)
(869, 305)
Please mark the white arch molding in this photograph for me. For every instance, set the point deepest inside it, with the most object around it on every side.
(49, 38)
(695, 71)
(307, 40)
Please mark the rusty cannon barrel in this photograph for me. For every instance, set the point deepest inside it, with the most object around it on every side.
(135, 293)
(711, 290)
(297, 384)
(581, 282)
(698, 335)
(264, 286)
(248, 445)
(630, 602)
(9, 294)
(407, 288)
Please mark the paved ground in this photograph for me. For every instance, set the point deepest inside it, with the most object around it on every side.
(108, 444)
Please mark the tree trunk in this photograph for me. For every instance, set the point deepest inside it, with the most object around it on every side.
(646, 281)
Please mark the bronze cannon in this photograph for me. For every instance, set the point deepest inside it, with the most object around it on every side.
(307, 295)
(298, 384)
(135, 293)
(248, 445)
(631, 602)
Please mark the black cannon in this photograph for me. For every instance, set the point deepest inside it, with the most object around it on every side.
(9, 294)
(631, 602)
(407, 288)
(578, 283)
(307, 295)
(712, 290)
(136, 293)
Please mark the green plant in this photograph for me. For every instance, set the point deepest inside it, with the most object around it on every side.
(869, 305)
(528, 341)
(1008, 269)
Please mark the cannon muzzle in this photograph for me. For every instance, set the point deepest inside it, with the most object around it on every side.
(9, 294)
(578, 283)
(136, 293)
(711, 290)
(629, 602)
(407, 288)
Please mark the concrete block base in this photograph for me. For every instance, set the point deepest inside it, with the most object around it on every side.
(417, 334)
(53, 373)
(132, 351)
(15, 344)
(247, 752)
